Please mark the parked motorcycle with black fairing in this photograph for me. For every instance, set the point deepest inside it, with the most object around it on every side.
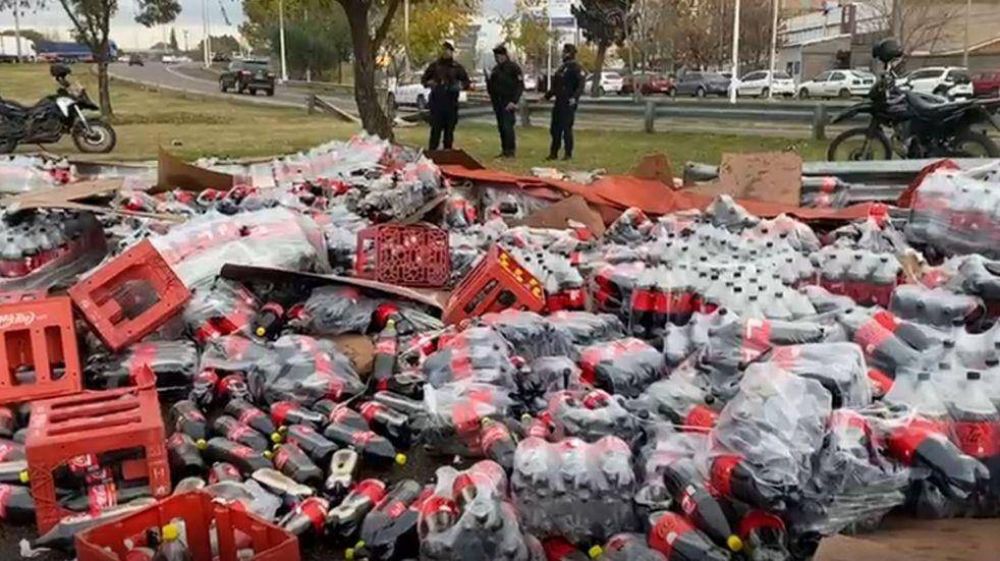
(909, 124)
(54, 116)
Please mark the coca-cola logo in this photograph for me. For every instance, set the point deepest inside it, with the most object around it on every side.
(20, 318)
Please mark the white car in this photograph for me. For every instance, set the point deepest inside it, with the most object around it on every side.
(409, 91)
(758, 83)
(838, 83)
(530, 82)
(947, 81)
(611, 83)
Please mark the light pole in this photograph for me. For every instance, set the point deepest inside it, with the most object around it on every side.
(965, 53)
(185, 40)
(17, 31)
(281, 39)
(205, 43)
(406, 36)
(736, 53)
(548, 41)
(774, 50)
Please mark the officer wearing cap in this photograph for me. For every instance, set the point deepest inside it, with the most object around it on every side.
(566, 86)
(445, 78)
(505, 85)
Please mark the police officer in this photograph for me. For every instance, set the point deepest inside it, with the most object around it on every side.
(505, 86)
(445, 78)
(566, 86)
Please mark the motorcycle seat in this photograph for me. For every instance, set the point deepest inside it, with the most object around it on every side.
(926, 104)
(14, 106)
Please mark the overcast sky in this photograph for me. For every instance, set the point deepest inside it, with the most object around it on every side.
(127, 33)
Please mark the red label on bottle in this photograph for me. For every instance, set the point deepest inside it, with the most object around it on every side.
(465, 418)
(756, 519)
(721, 475)
(340, 414)
(281, 458)
(373, 489)
(880, 381)
(370, 409)
(315, 511)
(756, 338)
(979, 439)
(386, 346)
(903, 442)
(241, 451)
(701, 417)
(871, 335)
(5, 492)
(249, 414)
(395, 509)
(492, 434)
(688, 505)
(666, 531)
(362, 438)
(279, 411)
(102, 497)
(238, 431)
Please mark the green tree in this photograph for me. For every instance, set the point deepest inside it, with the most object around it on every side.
(430, 24)
(173, 40)
(92, 27)
(528, 32)
(317, 37)
(225, 44)
(604, 23)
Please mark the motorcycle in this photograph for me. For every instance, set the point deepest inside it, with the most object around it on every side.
(919, 125)
(54, 116)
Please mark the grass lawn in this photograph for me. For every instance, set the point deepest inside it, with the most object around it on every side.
(194, 127)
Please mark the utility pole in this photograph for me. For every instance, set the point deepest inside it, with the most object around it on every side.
(185, 40)
(205, 46)
(965, 53)
(17, 31)
(406, 36)
(736, 52)
(774, 50)
(548, 41)
(281, 40)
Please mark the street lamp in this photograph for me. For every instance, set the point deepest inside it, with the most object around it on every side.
(206, 43)
(774, 49)
(281, 38)
(736, 53)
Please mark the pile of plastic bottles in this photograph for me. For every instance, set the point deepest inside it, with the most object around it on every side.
(700, 386)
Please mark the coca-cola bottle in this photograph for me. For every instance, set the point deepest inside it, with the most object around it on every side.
(345, 519)
(698, 505)
(285, 413)
(223, 471)
(372, 447)
(389, 422)
(391, 526)
(246, 459)
(16, 505)
(290, 460)
(764, 535)
(403, 404)
(247, 414)
(186, 417)
(732, 477)
(269, 321)
(675, 537)
(340, 476)
(497, 443)
(184, 455)
(227, 426)
(340, 413)
(308, 516)
(386, 349)
(317, 446)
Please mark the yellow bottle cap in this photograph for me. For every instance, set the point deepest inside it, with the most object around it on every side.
(735, 543)
(595, 551)
(400, 459)
(260, 331)
(24, 477)
(268, 454)
(390, 323)
(276, 438)
(282, 429)
(170, 533)
(201, 444)
(349, 554)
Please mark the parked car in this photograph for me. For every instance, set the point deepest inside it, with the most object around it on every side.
(247, 76)
(946, 81)
(700, 84)
(759, 84)
(221, 57)
(135, 60)
(409, 91)
(986, 84)
(838, 83)
(530, 82)
(649, 83)
(478, 81)
(610, 83)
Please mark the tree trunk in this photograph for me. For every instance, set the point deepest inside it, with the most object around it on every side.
(373, 118)
(602, 50)
(104, 88)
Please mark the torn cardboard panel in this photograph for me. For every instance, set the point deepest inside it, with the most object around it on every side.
(70, 196)
(655, 166)
(763, 176)
(453, 158)
(174, 173)
(359, 349)
(433, 298)
(558, 214)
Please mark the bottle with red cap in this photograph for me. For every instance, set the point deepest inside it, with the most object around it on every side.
(675, 537)
(345, 519)
(290, 460)
(401, 403)
(628, 547)
(317, 446)
(386, 349)
(250, 415)
(223, 471)
(186, 417)
(765, 536)
(389, 422)
(392, 525)
(372, 447)
(184, 455)
(269, 321)
(497, 443)
(285, 413)
(699, 506)
(308, 517)
(731, 476)
(246, 459)
(227, 426)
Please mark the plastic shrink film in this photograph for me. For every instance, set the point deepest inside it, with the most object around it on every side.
(455, 415)
(571, 489)
(664, 446)
(937, 307)
(335, 310)
(277, 237)
(625, 367)
(840, 367)
(547, 375)
(957, 212)
(477, 354)
(590, 416)
(401, 193)
(681, 341)
(221, 308)
(173, 363)
(302, 369)
(21, 174)
(469, 516)
(629, 547)
(888, 343)
(825, 192)
(47, 248)
(341, 234)
(585, 328)
(531, 334)
(763, 446)
(679, 400)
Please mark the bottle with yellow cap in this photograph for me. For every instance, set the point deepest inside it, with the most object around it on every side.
(372, 447)
(269, 321)
(391, 526)
(184, 454)
(172, 548)
(685, 486)
(677, 539)
(386, 349)
(16, 504)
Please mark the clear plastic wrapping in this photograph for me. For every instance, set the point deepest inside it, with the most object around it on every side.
(303, 369)
(46, 249)
(173, 363)
(454, 416)
(222, 308)
(531, 334)
(335, 310)
(625, 367)
(957, 212)
(591, 415)
(938, 306)
(840, 367)
(478, 354)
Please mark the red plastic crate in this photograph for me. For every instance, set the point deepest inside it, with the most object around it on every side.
(269, 542)
(498, 282)
(404, 254)
(38, 336)
(64, 428)
(131, 296)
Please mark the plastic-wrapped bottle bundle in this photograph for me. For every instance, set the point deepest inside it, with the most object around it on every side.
(631, 227)
(680, 401)
(173, 363)
(938, 306)
(975, 429)
(44, 249)
(335, 310)
(664, 446)
(454, 415)
(581, 492)
(304, 370)
(887, 343)
(825, 192)
(469, 516)
(625, 367)
(477, 355)
(586, 328)
(591, 415)
(341, 236)
(840, 367)
(531, 334)
(221, 309)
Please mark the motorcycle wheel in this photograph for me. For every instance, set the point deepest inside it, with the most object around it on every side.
(859, 144)
(970, 144)
(101, 140)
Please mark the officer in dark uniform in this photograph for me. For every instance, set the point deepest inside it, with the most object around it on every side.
(566, 86)
(505, 86)
(445, 78)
